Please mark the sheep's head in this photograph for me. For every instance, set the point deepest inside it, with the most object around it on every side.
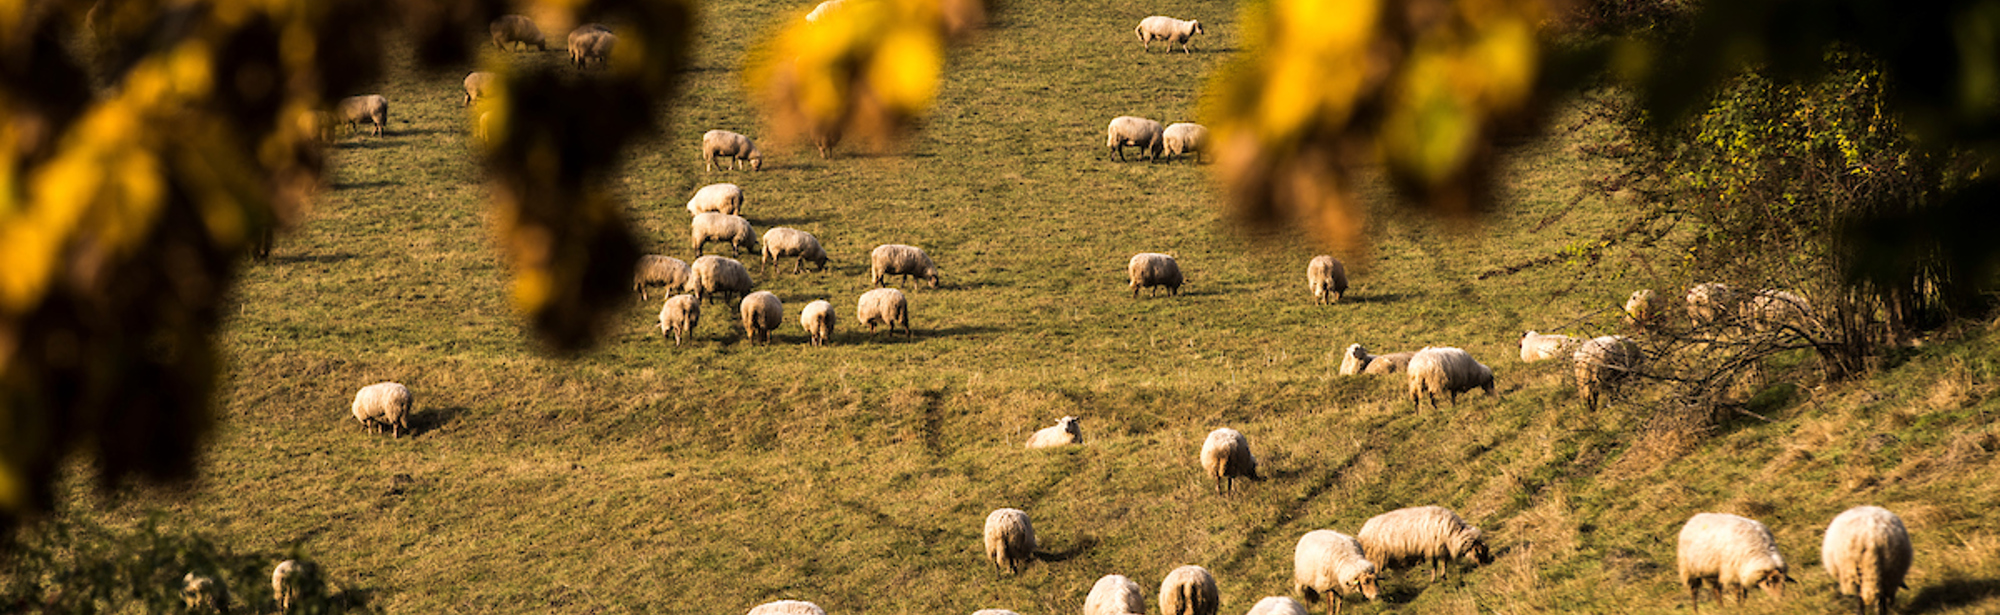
(1364, 583)
(756, 160)
(1070, 426)
(931, 274)
(1198, 30)
(1480, 553)
(1773, 581)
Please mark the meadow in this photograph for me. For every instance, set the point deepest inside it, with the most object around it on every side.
(643, 477)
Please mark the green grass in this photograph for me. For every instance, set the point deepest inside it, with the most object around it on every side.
(646, 478)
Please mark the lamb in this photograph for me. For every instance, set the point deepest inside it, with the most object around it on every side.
(737, 148)
(1189, 590)
(894, 258)
(762, 313)
(1733, 554)
(1173, 31)
(288, 581)
(1602, 363)
(1065, 432)
(1435, 371)
(679, 316)
(1542, 347)
(719, 198)
(1139, 132)
(787, 607)
(717, 275)
(1710, 302)
(372, 108)
(1328, 565)
(1643, 309)
(655, 269)
(1151, 270)
(383, 403)
(1325, 276)
(1225, 456)
(481, 85)
(202, 592)
(885, 306)
(1867, 552)
(817, 319)
(511, 29)
(1433, 534)
(579, 41)
(592, 46)
(782, 242)
(711, 226)
(1010, 539)
(1278, 605)
(1186, 138)
(1115, 595)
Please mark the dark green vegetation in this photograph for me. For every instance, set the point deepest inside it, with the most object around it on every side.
(713, 477)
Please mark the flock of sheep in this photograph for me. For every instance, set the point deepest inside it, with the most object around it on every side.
(202, 593)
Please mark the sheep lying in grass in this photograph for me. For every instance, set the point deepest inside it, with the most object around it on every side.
(679, 316)
(1354, 359)
(1151, 270)
(1330, 566)
(1163, 28)
(732, 146)
(288, 582)
(711, 226)
(1430, 534)
(1436, 371)
(1189, 590)
(480, 85)
(201, 594)
(579, 41)
(1138, 132)
(720, 198)
(1225, 455)
(592, 47)
(1604, 362)
(1731, 553)
(885, 306)
(1643, 309)
(787, 607)
(1065, 432)
(511, 30)
(658, 270)
(785, 242)
(1115, 595)
(1357, 361)
(1279, 605)
(762, 313)
(1542, 347)
(817, 319)
(717, 275)
(1326, 278)
(1867, 552)
(897, 259)
(1010, 539)
(384, 404)
(1184, 138)
(372, 108)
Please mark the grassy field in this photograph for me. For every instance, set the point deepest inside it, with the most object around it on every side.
(712, 477)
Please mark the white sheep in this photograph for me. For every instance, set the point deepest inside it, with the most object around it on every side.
(372, 108)
(659, 270)
(1163, 28)
(736, 147)
(592, 46)
(1279, 605)
(1436, 371)
(479, 85)
(883, 306)
(1151, 270)
(1544, 346)
(713, 275)
(1065, 432)
(817, 319)
(1433, 535)
(1189, 590)
(579, 42)
(1392, 363)
(288, 582)
(1732, 553)
(204, 593)
(1867, 552)
(1115, 595)
(1331, 566)
(511, 29)
(1225, 455)
(1139, 132)
(1643, 308)
(762, 313)
(1772, 309)
(894, 258)
(720, 198)
(679, 316)
(383, 404)
(787, 607)
(1710, 302)
(1604, 362)
(785, 242)
(1354, 359)
(1185, 138)
(711, 226)
(1325, 276)
(1010, 539)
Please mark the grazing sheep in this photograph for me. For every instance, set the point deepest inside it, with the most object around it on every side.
(711, 226)
(655, 269)
(1325, 276)
(787, 607)
(1432, 534)
(824, 9)
(481, 85)
(817, 319)
(719, 198)
(782, 242)
(1643, 309)
(204, 593)
(1225, 456)
(1065, 432)
(717, 275)
(1186, 138)
(1173, 31)
(579, 41)
(1151, 270)
(679, 316)
(372, 108)
(1189, 590)
(1774, 309)
(884, 306)
(1139, 132)
(1435, 371)
(288, 581)
(592, 46)
(894, 258)
(1602, 363)
(1328, 565)
(1115, 595)
(1392, 363)
(383, 403)
(737, 148)
(762, 313)
(1278, 605)
(1867, 552)
(511, 29)
(1710, 302)
(1542, 347)
(1733, 554)
(1010, 539)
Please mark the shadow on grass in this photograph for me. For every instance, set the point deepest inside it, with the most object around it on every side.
(431, 419)
(1381, 298)
(367, 142)
(311, 258)
(1082, 546)
(773, 222)
(360, 185)
(1951, 594)
(861, 335)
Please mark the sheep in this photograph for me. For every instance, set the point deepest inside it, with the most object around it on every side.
(592, 46)
(1435, 371)
(711, 226)
(1643, 309)
(511, 29)
(1189, 590)
(479, 85)
(885, 306)
(1867, 552)
(782, 242)
(1392, 363)
(1185, 138)
(383, 403)
(737, 148)
(787, 607)
(655, 269)
(1330, 566)
(1173, 31)
(579, 41)
(1065, 432)
(202, 592)
(679, 316)
(288, 581)
(762, 313)
(817, 319)
(1542, 347)
(719, 198)
(1710, 302)
(717, 275)
(894, 258)
(1773, 309)
(1354, 359)
(1433, 534)
(1733, 554)
(1325, 276)
(372, 108)
(1139, 132)
(1010, 539)
(1115, 595)
(1277, 605)
(1151, 270)
(1225, 456)
(1602, 363)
